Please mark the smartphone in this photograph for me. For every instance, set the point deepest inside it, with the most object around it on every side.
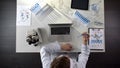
(80, 4)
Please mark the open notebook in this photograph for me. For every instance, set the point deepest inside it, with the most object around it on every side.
(51, 15)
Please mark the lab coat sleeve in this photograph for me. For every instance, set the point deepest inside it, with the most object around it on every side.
(83, 57)
(46, 51)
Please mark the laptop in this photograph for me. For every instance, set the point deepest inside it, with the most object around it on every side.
(60, 32)
(58, 22)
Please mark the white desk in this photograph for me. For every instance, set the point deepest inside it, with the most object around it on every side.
(21, 31)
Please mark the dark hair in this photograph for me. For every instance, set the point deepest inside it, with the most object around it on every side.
(61, 62)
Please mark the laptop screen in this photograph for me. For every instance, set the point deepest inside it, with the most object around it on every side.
(60, 30)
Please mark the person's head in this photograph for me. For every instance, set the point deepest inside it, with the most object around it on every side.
(61, 62)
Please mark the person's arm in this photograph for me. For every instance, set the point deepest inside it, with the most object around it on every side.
(85, 51)
(46, 51)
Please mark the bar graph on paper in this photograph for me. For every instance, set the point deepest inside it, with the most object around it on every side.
(96, 40)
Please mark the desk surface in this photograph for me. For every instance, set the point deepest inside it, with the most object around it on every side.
(21, 31)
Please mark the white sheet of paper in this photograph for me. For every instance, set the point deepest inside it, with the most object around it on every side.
(23, 16)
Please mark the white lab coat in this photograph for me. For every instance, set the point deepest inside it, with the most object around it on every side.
(47, 52)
